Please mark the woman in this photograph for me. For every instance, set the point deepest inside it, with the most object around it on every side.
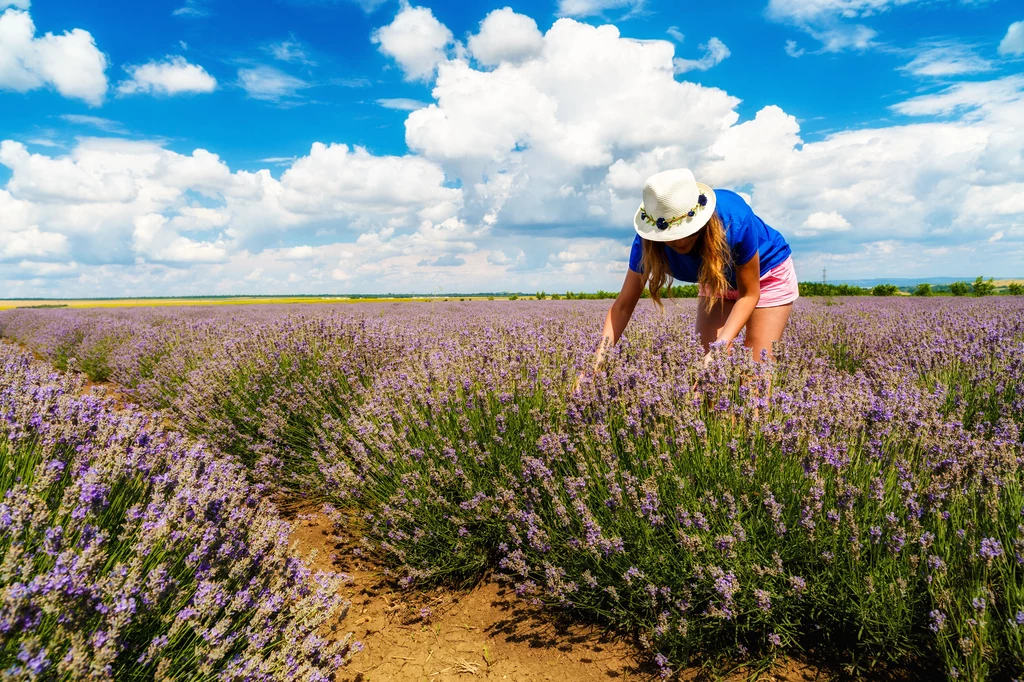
(688, 231)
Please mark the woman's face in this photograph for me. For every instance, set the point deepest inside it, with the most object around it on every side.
(685, 244)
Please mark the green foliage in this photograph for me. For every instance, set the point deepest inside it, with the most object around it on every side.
(541, 295)
(513, 297)
(1015, 289)
(677, 291)
(583, 296)
(923, 289)
(885, 290)
(823, 289)
(959, 288)
(490, 298)
(983, 288)
(684, 291)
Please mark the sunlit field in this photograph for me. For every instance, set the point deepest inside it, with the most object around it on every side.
(858, 503)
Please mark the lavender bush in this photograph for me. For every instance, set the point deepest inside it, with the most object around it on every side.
(126, 553)
(859, 500)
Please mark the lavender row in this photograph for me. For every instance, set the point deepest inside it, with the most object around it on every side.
(862, 501)
(128, 553)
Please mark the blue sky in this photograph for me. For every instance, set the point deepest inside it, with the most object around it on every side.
(311, 146)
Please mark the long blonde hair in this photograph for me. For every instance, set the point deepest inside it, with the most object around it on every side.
(716, 257)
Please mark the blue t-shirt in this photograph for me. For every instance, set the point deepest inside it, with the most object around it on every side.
(746, 233)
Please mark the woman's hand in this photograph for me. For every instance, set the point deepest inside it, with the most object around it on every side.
(616, 319)
(579, 381)
(716, 347)
(704, 363)
(598, 357)
(748, 285)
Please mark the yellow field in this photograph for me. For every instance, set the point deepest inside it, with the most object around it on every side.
(240, 300)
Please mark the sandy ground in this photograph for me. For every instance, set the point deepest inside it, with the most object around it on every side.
(482, 633)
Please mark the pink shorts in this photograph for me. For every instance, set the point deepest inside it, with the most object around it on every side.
(779, 286)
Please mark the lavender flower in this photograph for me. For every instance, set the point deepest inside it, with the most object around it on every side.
(990, 549)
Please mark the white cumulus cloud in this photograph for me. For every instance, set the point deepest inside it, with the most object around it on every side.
(337, 179)
(153, 239)
(505, 36)
(69, 63)
(1012, 43)
(819, 221)
(32, 243)
(416, 40)
(533, 140)
(115, 200)
(172, 76)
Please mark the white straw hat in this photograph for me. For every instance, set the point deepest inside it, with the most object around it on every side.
(675, 206)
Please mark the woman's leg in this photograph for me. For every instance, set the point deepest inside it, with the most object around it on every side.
(764, 326)
(708, 324)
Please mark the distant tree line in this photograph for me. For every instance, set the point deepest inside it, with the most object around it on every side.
(677, 291)
(980, 287)
(825, 289)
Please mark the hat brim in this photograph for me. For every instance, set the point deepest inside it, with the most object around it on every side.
(683, 228)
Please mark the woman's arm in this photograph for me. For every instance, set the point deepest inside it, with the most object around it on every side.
(620, 312)
(748, 284)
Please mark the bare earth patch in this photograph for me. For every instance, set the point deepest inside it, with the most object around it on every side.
(484, 633)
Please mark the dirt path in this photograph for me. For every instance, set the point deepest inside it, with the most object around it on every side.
(484, 633)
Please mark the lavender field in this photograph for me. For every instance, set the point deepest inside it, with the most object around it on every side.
(130, 554)
(860, 502)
